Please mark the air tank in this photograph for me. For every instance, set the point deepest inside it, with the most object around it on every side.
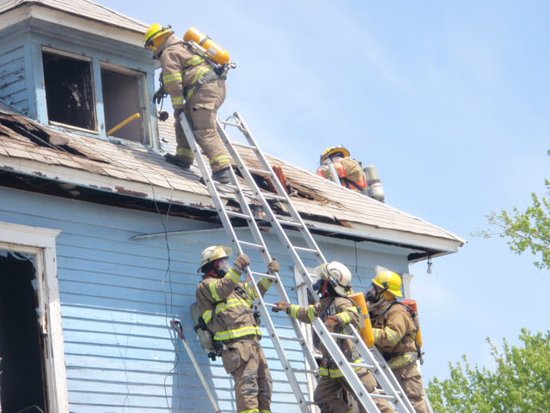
(375, 189)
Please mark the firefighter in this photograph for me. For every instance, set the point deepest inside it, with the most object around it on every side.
(349, 171)
(196, 90)
(395, 327)
(336, 311)
(227, 307)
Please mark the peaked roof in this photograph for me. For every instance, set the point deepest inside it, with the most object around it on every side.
(30, 149)
(81, 8)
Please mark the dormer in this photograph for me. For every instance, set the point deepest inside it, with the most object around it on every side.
(77, 66)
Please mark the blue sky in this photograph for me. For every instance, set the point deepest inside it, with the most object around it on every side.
(449, 99)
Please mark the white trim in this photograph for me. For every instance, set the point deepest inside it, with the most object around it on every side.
(307, 331)
(407, 278)
(41, 243)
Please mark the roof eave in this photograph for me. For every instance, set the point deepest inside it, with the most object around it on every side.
(83, 23)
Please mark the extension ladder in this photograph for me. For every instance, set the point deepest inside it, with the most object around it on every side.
(281, 226)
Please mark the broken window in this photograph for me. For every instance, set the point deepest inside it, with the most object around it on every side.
(22, 382)
(122, 98)
(69, 90)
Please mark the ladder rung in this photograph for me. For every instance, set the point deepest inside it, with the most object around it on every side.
(265, 275)
(382, 396)
(304, 249)
(363, 365)
(290, 223)
(239, 215)
(306, 371)
(250, 245)
(259, 171)
(344, 336)
(274, 196)
(287, 338)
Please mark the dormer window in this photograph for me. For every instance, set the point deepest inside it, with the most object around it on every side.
(94, 96)
(69, 90)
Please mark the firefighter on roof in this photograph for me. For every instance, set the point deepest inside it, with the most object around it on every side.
(349, 171)
(336, 310)
(227, 308)
(395, 334)
(196, 90)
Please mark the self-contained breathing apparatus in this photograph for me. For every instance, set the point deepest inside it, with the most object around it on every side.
(210, 51)
(205, 336)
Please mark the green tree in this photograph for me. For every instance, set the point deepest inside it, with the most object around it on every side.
(526, 231)
(520, 382)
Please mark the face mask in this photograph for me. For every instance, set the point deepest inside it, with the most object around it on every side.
(373, 295)
(221, 267)
(322, 287)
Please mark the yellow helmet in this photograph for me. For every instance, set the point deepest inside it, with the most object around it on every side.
(389, 281)
(334, 150)
(155, 33)
(213, 253)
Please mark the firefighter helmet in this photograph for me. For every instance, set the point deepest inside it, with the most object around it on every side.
(337, 274)
(213, 253)
(333, 150)
(389, 281)
(155, 33)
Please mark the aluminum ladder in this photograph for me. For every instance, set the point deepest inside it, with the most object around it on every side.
(281, 225)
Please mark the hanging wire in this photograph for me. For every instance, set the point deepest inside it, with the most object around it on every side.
(167, 278)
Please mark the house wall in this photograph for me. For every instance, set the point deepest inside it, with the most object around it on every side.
(14, 76)
(118, 296)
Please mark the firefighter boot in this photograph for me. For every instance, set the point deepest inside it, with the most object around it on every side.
(222, 176)
(175, 160)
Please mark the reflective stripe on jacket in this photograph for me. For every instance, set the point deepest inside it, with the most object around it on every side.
(347, 313)
(394, 335)
(227, 306)
(182, 70)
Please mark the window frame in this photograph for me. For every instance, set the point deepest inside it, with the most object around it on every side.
(41, 243)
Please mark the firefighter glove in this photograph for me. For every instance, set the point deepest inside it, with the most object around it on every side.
(273, 266)
(242, 261)
(159, 95)
(177, 113)
(332, 322)
(281, 306)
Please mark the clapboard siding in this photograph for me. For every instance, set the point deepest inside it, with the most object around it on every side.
(13, 82)
(118, 296)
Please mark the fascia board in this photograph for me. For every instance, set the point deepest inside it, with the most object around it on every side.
(59, 17)
(94, 181)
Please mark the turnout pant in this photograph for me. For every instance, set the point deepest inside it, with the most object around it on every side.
(201, 111)
(410, 380)
(246, 362)
(329, 395)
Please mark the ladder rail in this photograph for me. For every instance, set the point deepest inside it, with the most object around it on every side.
(393, 392)
(230, 232)
(273, 220)
(387, 381)
(243, 127)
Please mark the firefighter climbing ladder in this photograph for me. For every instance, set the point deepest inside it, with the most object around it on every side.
(280, 225)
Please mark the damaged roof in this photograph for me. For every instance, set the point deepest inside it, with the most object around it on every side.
(122, 168)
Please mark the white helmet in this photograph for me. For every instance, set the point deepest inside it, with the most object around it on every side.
(213, 253)
(338, 275)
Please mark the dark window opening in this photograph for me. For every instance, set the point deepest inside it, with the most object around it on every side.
(69, 91)
(121, 99)
(22, 378)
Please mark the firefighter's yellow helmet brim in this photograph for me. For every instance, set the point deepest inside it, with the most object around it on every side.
(334, 150)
